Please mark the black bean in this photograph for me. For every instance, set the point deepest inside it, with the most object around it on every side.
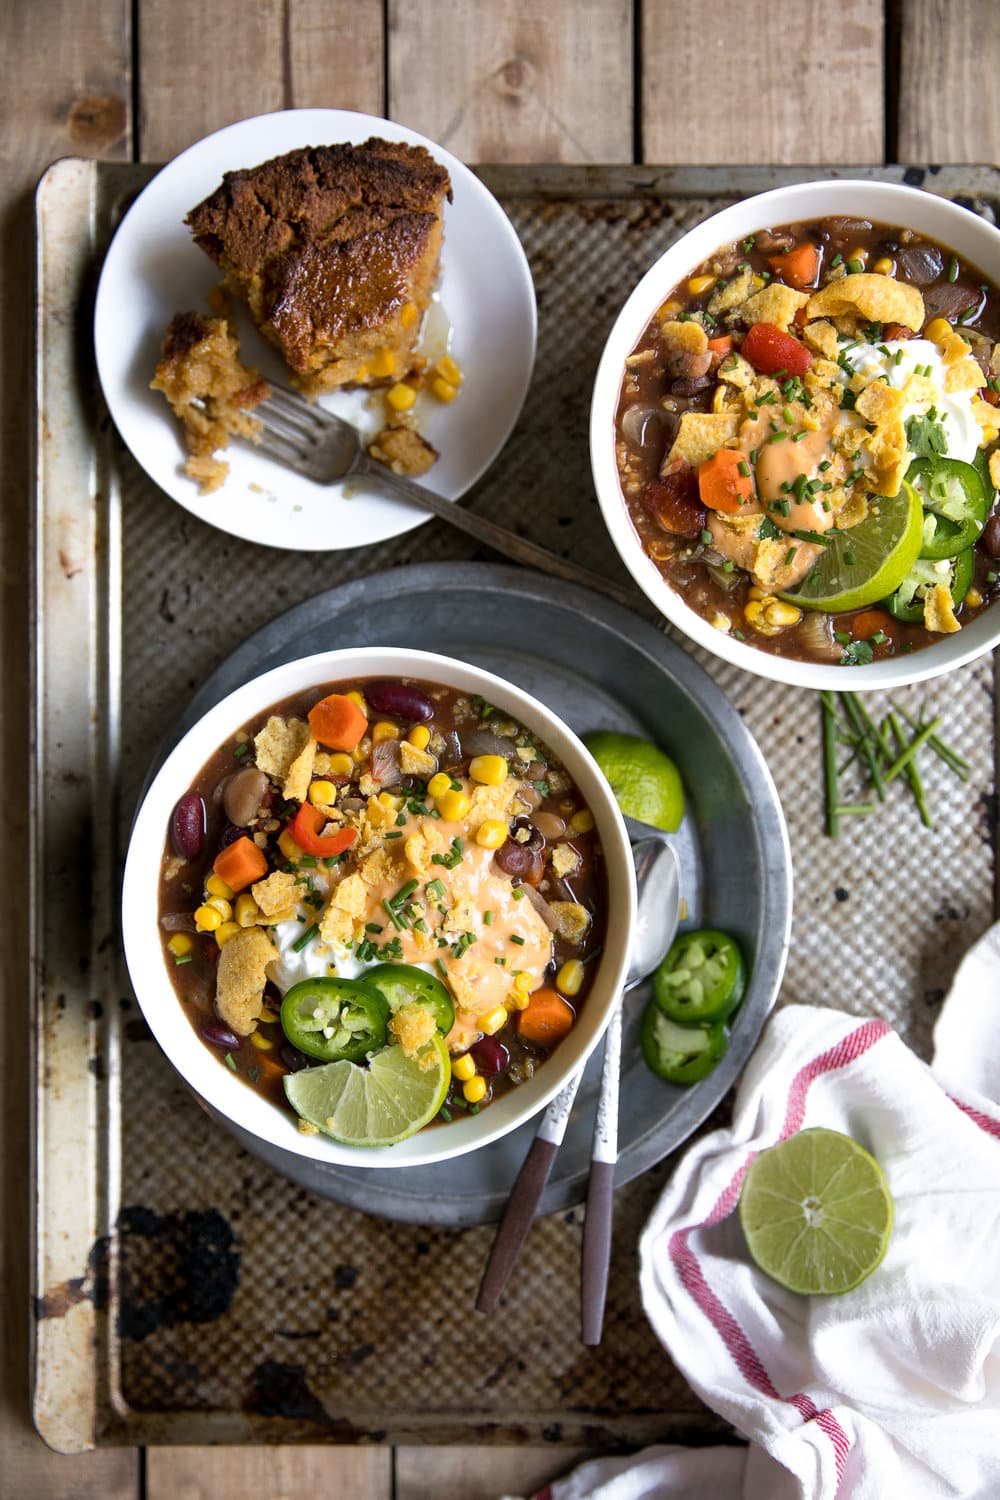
(991, 536)
(490, 1056)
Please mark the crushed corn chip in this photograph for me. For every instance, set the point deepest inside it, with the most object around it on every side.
(879, 299)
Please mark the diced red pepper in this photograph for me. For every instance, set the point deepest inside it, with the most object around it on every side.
(305, 830)
(770, 350)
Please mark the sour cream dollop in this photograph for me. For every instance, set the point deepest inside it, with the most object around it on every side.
(896, 361)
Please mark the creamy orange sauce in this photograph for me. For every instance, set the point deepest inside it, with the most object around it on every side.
(780, 464)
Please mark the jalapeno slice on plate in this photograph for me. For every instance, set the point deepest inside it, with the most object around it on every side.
(335, 1020)
(955, 505)
(702, 978)
(405, 984)
(680, 1054)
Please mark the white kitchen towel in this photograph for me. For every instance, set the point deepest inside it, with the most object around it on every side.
(891, 1392)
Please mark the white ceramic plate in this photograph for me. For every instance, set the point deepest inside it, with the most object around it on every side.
(154, 269)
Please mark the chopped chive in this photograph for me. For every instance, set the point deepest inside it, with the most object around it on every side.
(854, 266)
(906, 756)
(446, 1115)
(861, 809)
(744, 469)
(706, 537)
(231, 1063)
(183, 958)
(435, 890)
(441, 968)
(305, 939)
(790, 554)
(517, 893)
(242, 749)
(953, 269)
(829, 712)
(838, 260)
(912, 774)
(866, 731)
(955, 762)
(308, 861)
(516, 939)
(488, 919)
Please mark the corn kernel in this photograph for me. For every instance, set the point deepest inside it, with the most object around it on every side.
(180, 944)
(216, 886)
(669, 310)
(518, 1001)
(389, 802)
(490, 770)
(454, 805)
(289, 847)
(780, 613)
(858, 253)
(322, 793)
(884, 266)
(225, 931)
(419, 737)
(699, 284)
(582, 821)
(384, 731)
(523, 984)
(494, 1021)
(973, 598)
(755, 591)
(569, 980)
(261, 1042)
(938, 329)
(360, 753)
(247, 910)
(721, 622)
(438, 784)
(464, 1068)
(449, 370)
(340, 764)
(491, 833)
(443, 390)
(224, 908)
(475, 1089)
(359, 699)
(401, 396)
(383, 364)
(408, 314)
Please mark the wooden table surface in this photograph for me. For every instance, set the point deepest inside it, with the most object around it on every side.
(659, 81)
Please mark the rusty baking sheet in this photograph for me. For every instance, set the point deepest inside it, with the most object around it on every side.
(185, 1293)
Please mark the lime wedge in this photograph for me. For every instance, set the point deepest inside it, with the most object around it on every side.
(646, 783)
(387, 1101)
(867, 562)
(816, 1212)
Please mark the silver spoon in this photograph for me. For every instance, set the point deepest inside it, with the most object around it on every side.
(658, 879)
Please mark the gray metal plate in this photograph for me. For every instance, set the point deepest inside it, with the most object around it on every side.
(598, 667)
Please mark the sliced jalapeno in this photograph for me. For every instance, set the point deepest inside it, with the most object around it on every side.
(335, 1019)
(955, 505)
(680, 1054)
(907, 603)
(405, 984)
(702, 978)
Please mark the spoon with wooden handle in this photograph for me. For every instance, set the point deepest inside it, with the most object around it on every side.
(658, 879)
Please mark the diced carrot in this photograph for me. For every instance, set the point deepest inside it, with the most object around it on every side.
(869, 622)
(799, 268)
(240, 864)
(547, 1019)
(338, 722)
(722, 484)
(722, 345)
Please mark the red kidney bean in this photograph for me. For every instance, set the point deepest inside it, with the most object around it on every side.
(188, 826)
(491, 1057)
(217, 1035)
(991, 536)
(515, 859)
(399, 700)
(243, 795)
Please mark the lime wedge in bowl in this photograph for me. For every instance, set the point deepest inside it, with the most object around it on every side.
(866, 562)
(817, 1212)
(646, 783)
(378, 1105)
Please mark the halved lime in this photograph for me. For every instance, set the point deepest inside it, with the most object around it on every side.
(817, 1212)
(387, 1101)
(646, 783)
(866, 562)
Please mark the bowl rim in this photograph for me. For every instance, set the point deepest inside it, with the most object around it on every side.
(229, 1097)
(739, 219)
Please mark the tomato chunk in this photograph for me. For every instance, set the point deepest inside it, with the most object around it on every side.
(769, 350)
(673, 502)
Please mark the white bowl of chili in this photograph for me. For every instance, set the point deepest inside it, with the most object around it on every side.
(914, 250)
(164, 883)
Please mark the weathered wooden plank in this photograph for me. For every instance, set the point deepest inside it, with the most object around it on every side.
(203, 66)
(949, 106)
(64, 90)
(295, 1473)
(513, 80)
(479, 1473)
(760, 82)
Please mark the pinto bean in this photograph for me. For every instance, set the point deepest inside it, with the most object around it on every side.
(243, 796)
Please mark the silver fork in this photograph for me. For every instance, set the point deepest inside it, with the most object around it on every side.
(324, 448)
